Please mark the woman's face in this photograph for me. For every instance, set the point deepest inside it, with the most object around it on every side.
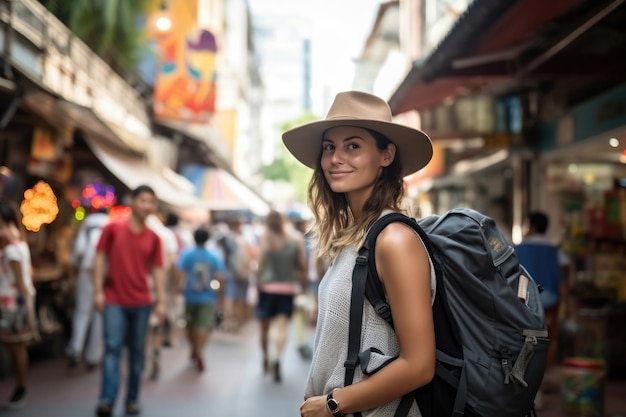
(351, 161)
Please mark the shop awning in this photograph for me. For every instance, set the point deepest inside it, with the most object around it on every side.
(220, 190)
(170, 188)
(498, 43)
(204, 139)
(64, 114)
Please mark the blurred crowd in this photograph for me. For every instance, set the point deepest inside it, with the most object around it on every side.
(216, 277)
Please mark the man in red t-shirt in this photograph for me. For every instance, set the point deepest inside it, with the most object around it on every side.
(132, 253)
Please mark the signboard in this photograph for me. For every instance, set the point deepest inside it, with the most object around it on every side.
(186, 71)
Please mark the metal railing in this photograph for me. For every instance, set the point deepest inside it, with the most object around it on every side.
(64, 64)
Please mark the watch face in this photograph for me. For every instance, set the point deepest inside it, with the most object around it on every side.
(332, 405)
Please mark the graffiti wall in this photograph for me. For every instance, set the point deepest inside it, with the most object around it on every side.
(185, 81)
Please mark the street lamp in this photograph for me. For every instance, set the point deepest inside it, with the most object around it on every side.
(163, 21)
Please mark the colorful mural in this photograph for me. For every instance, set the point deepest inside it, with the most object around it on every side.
(186, 76)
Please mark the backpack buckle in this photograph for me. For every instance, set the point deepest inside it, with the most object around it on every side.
(383, 310)
(361, 260)
(350, 363)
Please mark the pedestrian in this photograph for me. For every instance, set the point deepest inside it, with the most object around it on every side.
(184, 236)
(304, 303)
(87, 322)
(160, 329)
(202, 277)
(549, 267)
(282, 275)
(359, 157)
(18, 320)
(175, 309)
(133, 254)
(238, 259)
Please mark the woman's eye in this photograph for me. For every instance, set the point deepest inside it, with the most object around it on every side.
(352, 146)
(328, 147)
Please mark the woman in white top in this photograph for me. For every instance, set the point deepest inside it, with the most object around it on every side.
(360, 157)
(18, 323)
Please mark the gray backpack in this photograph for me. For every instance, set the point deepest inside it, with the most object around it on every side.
(490, 329)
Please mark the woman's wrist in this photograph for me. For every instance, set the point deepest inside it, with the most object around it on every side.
(333, 405)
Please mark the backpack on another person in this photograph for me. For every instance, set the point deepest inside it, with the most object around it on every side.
(490, 331)
(236, 257)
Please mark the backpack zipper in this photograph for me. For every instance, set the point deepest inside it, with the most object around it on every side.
(505, 357)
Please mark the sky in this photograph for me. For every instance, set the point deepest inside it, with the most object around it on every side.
(338, 32)
(340, 29)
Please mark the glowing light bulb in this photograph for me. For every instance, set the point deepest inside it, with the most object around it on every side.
(164, 23)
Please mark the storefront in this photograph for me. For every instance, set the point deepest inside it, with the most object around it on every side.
(37, 171)
(71, 162)
(580, 181)
(479, 160)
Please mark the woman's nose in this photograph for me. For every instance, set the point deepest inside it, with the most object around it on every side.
(337, 156)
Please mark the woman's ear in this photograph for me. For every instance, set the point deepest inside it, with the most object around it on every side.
(389, 155)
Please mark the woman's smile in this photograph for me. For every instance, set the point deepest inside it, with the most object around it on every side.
(339, 174)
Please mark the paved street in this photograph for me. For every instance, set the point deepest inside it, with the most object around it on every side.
(233, 384)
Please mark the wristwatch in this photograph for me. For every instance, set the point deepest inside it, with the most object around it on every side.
(333, 405)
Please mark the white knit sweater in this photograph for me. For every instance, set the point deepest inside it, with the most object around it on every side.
(331, 339)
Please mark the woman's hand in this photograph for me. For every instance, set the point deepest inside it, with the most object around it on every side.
(314, 407)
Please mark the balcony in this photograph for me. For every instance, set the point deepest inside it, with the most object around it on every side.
(39, 46)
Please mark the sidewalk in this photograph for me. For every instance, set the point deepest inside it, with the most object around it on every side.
(233, 384)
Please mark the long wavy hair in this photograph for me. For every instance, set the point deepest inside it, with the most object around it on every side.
(333, 225)
(275, 230)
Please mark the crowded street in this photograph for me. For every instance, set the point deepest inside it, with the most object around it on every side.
(232, 385)
(376, 208)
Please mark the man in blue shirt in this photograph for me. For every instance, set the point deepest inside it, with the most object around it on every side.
(202, 270)
(549, 267)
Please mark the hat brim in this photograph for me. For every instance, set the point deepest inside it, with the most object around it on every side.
(413, 147)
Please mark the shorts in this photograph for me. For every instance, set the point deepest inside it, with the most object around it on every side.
(236, 290)
(200, 316)
(272, 305)
(14, 326)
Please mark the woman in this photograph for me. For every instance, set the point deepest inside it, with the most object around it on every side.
(282, 274)
(359, 159)
(18, 322)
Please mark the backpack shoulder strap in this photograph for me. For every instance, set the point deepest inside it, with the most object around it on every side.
(366, 284)
(373, 288)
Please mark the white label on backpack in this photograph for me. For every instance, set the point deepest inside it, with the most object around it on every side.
(522, 288)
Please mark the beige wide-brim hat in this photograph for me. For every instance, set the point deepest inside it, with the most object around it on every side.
(359, 109)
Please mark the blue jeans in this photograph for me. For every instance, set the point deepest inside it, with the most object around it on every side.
(121, 324)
